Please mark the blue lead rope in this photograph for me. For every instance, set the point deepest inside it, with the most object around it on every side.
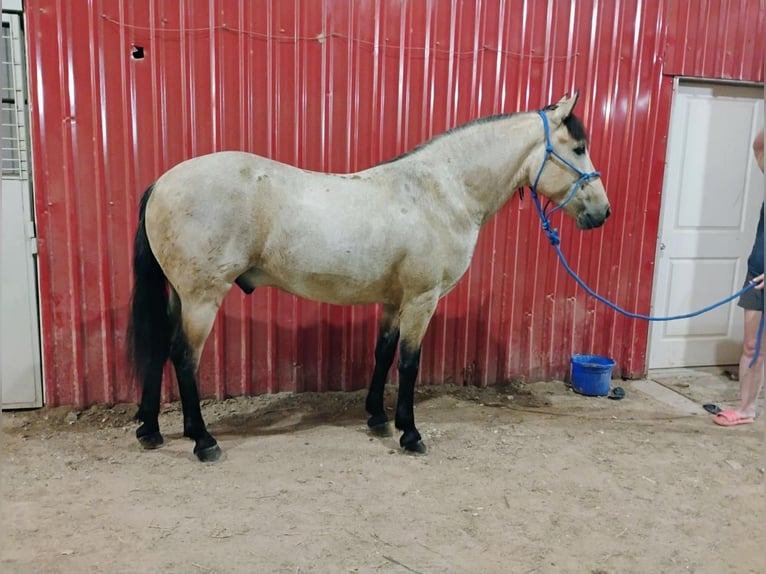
(555, 240)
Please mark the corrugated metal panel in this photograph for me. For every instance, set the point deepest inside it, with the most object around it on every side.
(721, 39)
(340, 86)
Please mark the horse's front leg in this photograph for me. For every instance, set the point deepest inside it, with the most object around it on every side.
(385, 349)
(196, 322)
(415, 316)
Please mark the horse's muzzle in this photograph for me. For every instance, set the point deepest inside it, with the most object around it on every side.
(592, 218)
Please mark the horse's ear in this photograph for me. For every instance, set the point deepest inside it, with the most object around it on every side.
(563, 108)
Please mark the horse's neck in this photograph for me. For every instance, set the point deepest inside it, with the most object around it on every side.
(488, 159)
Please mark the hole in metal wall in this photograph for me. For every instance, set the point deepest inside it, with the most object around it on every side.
(137, 52)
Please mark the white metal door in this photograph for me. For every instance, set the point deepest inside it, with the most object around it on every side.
(711, 200)
(20, 369)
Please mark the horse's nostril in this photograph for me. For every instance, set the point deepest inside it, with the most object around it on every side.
(608, 212)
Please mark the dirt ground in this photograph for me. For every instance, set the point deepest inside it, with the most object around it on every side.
(518, 479)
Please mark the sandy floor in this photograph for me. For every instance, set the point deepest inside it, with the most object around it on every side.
(519, 479)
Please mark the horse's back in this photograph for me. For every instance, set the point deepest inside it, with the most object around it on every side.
(341, 238)
(221, 171)
(229, 212)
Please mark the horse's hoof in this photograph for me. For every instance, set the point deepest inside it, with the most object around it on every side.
(411, 442)
(417, 447)
(381, 430)
(150, 440)
(378, 425)
(208, 454)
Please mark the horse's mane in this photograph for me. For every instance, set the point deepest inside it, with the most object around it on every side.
(575, 127)
(572, 122)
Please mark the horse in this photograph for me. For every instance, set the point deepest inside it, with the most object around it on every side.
(400, 234)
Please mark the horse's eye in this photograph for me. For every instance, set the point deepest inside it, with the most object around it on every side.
(579, 150)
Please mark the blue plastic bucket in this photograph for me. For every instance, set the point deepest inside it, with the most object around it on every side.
(591, 374)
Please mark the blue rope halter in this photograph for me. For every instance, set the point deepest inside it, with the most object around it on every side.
(555, 240)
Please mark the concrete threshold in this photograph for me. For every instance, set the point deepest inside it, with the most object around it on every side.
(668, 397)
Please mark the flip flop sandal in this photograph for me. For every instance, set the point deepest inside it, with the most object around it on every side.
(730, 418)
(712, 409)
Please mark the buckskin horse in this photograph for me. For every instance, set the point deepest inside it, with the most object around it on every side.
(401, 234)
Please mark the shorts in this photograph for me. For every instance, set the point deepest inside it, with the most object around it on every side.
(753, 299)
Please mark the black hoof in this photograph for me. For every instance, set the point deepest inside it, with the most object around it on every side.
(149, 439)
(417, 447)
(208, 454)
(411, 442)
(206, 448)
(378, 425)
(381, 430)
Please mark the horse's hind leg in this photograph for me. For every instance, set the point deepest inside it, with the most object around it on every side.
(415, 315)
(385, 349)
(197, 317)
(148, 434)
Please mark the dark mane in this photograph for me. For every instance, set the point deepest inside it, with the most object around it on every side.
(575, 127)
(572, 123)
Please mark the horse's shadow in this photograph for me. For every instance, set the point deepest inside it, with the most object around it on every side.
(299, 409)
(283, 420)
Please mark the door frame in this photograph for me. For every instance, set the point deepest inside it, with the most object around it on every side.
(12, 11)
(677, 82)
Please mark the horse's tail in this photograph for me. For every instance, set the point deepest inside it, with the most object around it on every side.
(150, 326)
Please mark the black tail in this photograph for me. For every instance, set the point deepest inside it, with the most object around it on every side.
(150, 327)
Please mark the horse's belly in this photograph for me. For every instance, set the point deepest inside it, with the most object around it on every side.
(331, 287)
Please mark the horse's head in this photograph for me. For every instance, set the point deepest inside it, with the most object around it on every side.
(561, 168)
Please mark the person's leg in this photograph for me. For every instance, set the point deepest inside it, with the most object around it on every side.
(750, 378)
(758, 149)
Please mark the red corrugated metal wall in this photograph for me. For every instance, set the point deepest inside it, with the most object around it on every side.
(333, 85)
